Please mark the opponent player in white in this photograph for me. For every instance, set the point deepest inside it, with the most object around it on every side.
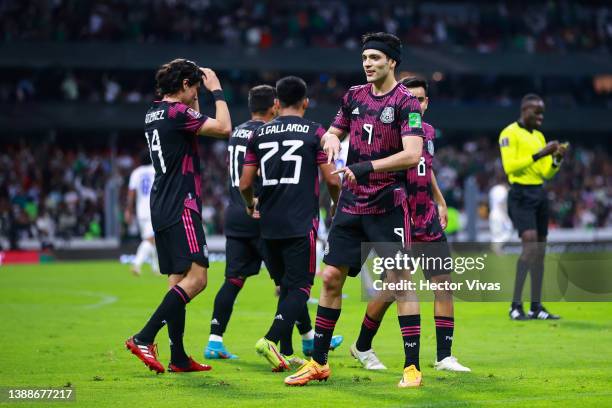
(500, 224)
(141, 181)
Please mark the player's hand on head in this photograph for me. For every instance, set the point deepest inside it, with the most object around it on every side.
(443, 215)
(331, 146)
(210, 80)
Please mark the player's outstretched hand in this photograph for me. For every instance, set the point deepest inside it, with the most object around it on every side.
(210, 80)
(347, 173)
(331, 146)
(443, 215)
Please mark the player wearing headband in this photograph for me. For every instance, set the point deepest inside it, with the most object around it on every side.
(386, 137)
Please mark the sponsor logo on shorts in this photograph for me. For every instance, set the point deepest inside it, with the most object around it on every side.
(326, 250)
(205, 250)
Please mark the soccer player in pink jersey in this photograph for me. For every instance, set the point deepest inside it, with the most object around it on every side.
(386, 138)
(429, 218)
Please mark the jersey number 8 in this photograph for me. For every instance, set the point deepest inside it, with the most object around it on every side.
(421, 168)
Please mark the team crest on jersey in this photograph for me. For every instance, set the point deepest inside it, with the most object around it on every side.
(193, 113)
(387, 115)
(430, 147)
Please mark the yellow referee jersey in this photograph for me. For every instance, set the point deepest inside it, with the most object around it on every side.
(517, 146)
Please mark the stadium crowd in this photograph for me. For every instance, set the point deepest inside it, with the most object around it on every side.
(504, 25)
(125, 86)
(48, 191)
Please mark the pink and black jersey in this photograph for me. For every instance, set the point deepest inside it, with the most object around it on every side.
(423, 208)
(237, 222)
(288, 152)
(376, 126)
(171, 131)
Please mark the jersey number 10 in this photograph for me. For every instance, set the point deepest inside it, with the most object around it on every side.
(234, 163)
(155, 146)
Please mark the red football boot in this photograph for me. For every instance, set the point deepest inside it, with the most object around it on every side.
(193, 366)
(147, 353)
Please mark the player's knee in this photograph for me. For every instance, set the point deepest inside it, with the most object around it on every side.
(332, 279)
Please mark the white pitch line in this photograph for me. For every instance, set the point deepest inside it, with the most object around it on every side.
(105, 299)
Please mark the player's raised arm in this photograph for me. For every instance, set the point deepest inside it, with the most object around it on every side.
(221, 125)
(330, 142)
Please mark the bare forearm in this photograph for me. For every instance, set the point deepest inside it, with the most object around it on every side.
(437, 193)
(334, 192)
(396, 162)
(222, 114)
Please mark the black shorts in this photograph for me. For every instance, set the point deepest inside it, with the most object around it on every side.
(244, 256)
(436, 252)
(292, 261)
(181, 244)
(349, 231)
(528, 209)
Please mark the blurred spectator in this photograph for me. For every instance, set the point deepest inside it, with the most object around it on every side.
(506, 25)
(50, 191)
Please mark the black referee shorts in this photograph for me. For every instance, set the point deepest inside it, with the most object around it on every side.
(528, 208)
(244, 256)
(181, 244)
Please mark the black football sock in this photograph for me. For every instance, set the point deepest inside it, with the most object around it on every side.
(324, 330)
(286, 343)
(369, 327)
(522, 267)
(176, 329)
(445, 326)
(410, 326)
(287, 313)
(537, 276)
(172, 303)
(303, 323)
(224, 304)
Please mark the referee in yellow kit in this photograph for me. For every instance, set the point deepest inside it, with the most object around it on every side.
(528, 160)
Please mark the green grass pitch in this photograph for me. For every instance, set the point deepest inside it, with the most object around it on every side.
(66, 323)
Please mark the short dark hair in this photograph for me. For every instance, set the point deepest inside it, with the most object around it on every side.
(530, 97)
(290, 90)
(169, 77)
(414, 82)
(261, 98)
(389, 39)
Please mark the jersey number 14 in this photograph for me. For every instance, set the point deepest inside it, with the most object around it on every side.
(155, 146)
